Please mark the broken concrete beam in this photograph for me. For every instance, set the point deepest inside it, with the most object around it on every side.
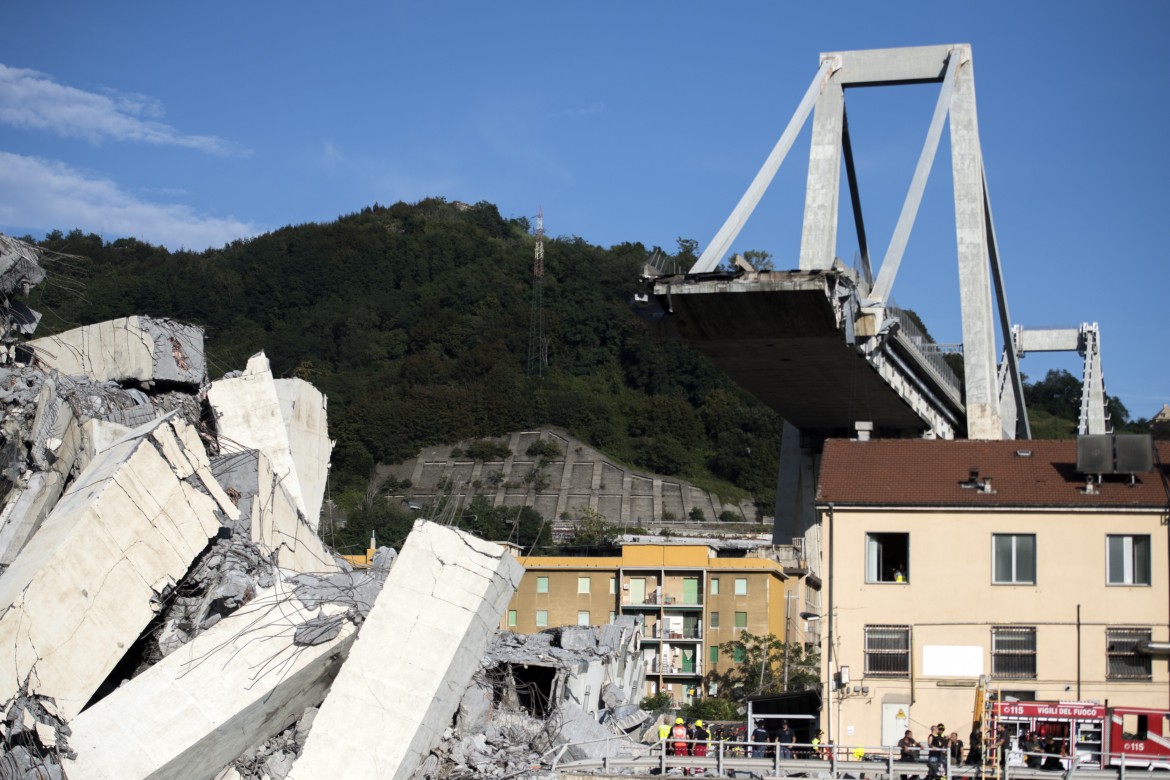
(226, 692)
(141, 349)
(55, 444)
(303, 408)
(419, 647)
(273, 520)
(80, 592)
(249, 416)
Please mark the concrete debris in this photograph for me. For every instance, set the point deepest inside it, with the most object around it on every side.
(229, 689)
(144, 350)
(442, 600)
(168, 611)
(81, 590)
(250, 415)
(20, 267)
(570, 692)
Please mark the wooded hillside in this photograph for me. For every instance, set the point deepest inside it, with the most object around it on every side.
(414, 320)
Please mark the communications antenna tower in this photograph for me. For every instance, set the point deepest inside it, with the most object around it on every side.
(537, 350)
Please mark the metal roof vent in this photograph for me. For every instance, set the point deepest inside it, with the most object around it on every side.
(1023, 453)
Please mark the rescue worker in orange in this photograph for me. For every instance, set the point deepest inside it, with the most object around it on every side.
(679, 732)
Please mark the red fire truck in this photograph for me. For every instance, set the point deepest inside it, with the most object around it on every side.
(1094, 734)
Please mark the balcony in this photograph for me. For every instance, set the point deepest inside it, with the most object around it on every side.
(675, 670)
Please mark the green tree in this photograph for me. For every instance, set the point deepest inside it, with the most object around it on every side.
(712, 708)
(591, 529)
(759, 661)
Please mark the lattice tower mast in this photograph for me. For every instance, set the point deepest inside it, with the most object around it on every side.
(537, 354)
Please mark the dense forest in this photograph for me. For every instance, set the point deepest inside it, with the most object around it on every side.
(415, 320)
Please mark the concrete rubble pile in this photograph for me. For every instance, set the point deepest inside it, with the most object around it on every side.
(167, 609)
(567, 693)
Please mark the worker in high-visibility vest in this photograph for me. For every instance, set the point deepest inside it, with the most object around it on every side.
(663, 731)
(679, 733)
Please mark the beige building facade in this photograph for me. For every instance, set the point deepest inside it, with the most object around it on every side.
(691, 600)
(948, 561)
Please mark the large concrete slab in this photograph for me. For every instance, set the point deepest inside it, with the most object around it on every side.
(142, 349)
(249, 416)
(777, 335)
(198, 709)
(80, 592)
(304, 410)
(419, 647)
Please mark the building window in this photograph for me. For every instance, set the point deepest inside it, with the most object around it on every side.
(582, 584)
(612, 586)
(583, 617)
(1128, 560)
(739, 654)
(542, 584)
(887, 651)
(1013, 559)
(511, 618)
(1123, 659)
(714, 620)
(887, 558)
(741, 620)
(714, 586)
(714, 654)
(741, 586)
(611, 616)
(1013, 651)
(541, 617)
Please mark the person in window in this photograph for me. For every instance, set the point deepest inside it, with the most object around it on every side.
(899, 575)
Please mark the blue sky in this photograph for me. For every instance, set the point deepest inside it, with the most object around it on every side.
(194, 125)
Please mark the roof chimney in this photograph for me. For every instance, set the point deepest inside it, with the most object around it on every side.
(864, 429)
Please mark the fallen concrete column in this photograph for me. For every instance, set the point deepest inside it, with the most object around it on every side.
(80, 592)
(420, 645)
(249, 417)
(227, 691)
(142, 349)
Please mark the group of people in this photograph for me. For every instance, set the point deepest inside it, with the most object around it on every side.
(941, 747)
(691, 738)
(687, 738)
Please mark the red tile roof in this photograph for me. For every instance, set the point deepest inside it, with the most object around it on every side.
(921, 472)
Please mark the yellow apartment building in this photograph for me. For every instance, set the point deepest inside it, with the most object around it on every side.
(690, 597)
(945, 561)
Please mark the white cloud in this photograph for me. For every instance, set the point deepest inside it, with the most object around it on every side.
(47, 195)
(33, 101)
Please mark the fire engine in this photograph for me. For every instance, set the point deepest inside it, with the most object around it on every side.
(1096, 735)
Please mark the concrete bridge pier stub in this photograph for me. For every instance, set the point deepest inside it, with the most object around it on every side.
(796, 484)
(818, 240)
(979, 355)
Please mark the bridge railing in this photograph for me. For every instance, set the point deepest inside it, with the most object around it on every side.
(840, 763)
(930, 351)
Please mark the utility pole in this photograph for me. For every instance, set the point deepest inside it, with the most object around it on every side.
(787, 632)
